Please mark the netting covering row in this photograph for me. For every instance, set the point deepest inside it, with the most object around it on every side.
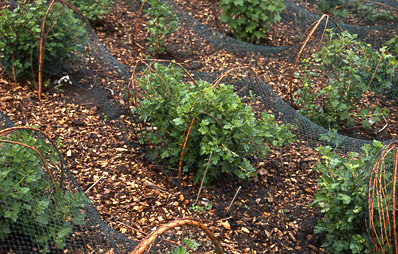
(44, 209)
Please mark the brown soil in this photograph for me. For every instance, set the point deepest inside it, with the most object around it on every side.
(271, 215)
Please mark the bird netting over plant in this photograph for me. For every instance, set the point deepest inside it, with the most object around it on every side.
(43, 208)
(123, 88)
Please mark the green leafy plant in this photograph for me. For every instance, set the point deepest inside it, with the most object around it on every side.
(343, 198)
(362, 10)
(200, 209)
(162, 21)
(93, 9)
(392, 46)
(369, 14)
(190, 246)
(201, 119)
(250, 19)
(20, 32)
(31, 201)
(351, 68)
(327, 6)
(382, 205)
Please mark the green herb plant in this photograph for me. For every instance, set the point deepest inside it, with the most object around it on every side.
(200, 209)
(369, 14)
(93, 10)
(188, 245)
(362, 10)
(392, 46)
(200, 119)
(342, 198)
(31, 202)
(327, 6)
(162, 22)
(351, 68)
(250, 19)
(20, 32)
(382, 204)
(344, 194)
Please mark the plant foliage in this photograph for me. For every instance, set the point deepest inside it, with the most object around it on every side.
(383, 219)
(218, 123)
(162, 21)
(362, 10)
(250, 19)
(20, 31)
(351, 68)
(29, 201)
(93, 9)
(343, 198)
(188, 245)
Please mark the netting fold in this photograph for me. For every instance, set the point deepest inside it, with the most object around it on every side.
(108, 82)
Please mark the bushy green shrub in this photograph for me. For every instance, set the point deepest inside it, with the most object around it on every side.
(250, 19)
(222, 125)
(393, 46)
(343, 198)
(327, 6)
(187, 247)
(162, 21)
(361, 10)
(348, 66)
(20, 31)
(369, 14)
(93, 9)
(29, 201)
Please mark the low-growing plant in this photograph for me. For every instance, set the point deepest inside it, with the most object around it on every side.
(351, 68)
(200, 209)
(20, 31)
(363, 10)
(250, 19)
(93, 9)
(392, 46)
(162, 22)
(31, 202)
(369, 14)
(382, 205)
(188, 246)
(343, 198)
(327, 6)
(202, 119)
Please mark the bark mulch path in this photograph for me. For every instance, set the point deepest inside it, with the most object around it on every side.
(134, 196)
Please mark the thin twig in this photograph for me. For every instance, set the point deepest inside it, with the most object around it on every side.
(236, 194)
(203, 179)
(94, 184)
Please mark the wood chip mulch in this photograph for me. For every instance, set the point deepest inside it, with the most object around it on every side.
(272, 215)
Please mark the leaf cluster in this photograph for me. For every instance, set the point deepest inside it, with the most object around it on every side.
(392, 46)
(30, 202)
(369, 14)
(219, 124)
(250, 19)
(364, 11)
(162, 22)
(348, 66)
(188, 245)
(326, 6)
(20, 31)
(93, 10)
(343, 198)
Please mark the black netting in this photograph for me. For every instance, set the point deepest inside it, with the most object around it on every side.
(107, 80)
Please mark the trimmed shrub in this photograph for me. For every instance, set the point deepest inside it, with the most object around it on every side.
(219, 124)
(20, 32)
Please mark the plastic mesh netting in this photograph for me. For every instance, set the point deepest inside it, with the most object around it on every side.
(106, 75)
